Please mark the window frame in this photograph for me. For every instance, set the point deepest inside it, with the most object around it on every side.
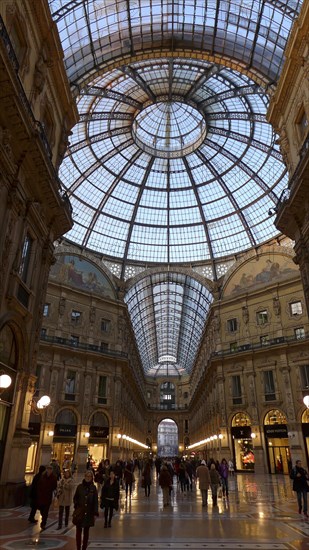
(232, 325)
(262, 317)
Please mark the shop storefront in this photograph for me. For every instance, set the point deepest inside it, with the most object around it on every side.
(305, 430)
(64, 441)
(243, 450)
(277, 443)
(98, 439)
(34, 430)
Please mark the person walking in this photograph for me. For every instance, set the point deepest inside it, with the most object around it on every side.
(86, 509)
(202, 474)
(64, 495)
(231, 467)
(214, 483)
(165, 482)
(47, 484)
(224, 473)
(146, 478)
(33, 495)
(300, 486)
(110, 498)
(128, 478)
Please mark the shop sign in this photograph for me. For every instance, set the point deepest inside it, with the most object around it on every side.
(278, 430)
(99, 432)
(65, 430)
(34, 428)
(241, 432)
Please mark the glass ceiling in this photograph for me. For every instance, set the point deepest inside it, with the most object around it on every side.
(168, 312)
(172, 160)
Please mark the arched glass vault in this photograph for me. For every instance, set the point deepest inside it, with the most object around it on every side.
(168, 312)
(172, 161)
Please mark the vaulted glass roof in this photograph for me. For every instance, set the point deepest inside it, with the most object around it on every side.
(168, 312)
(172, 161)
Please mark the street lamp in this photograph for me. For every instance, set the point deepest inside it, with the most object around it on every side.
(5, 381)
(306, 401)
(38, 405)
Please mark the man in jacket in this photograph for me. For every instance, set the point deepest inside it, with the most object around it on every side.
(300, 485)
(45, 489)
(202, 474)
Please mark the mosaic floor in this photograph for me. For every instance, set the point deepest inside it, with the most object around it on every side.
(261, 514)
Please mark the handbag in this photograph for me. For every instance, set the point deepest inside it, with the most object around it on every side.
(78, 516)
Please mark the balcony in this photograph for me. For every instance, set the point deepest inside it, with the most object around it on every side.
(73, 344)
(278, 341)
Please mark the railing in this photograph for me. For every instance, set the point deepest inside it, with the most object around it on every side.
(164, 407)
(59, 341)
(258, 346)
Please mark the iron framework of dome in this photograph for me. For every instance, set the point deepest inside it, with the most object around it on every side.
(172, 161)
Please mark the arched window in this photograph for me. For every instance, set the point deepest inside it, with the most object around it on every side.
(167, 438)
(167, 396)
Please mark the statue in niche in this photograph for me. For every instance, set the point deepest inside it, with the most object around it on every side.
(39, 76)
(276, 306)
(61, 306)
(245, 315)
(92, 315)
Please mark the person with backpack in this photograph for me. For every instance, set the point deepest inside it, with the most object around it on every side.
(300, 485)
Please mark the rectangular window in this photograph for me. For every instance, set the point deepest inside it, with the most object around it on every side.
(304, 376)
(74, 340)
(70, 386)
(76, 316)
(296, 308)
(262, 317)
(25, 258)
(232, 325)
(43, 333)
(167, 397)
(46, 310)
(102, 399)
(264, 340)
(269, 385)
(105, 325)
(233, 346)
(302, 124)
(236, 390)
(104, 346)
(299, 333)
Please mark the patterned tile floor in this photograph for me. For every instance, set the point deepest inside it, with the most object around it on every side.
(261, 514)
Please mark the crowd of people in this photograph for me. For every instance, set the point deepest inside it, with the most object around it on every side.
(101, 487)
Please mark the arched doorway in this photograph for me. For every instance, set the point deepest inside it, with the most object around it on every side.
(242, 442)
(64, 437)
(167, 438)
(98, 440)
(305, 429)
(277, 442)
(8, 366)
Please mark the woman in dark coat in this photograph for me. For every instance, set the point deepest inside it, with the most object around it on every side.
(146, 479)
(33, 495)
(110, 498)
(86, 508)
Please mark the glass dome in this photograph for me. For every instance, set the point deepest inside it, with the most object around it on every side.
(172, 161)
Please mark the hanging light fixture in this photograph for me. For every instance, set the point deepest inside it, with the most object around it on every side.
(38, 405)
(5, 381)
